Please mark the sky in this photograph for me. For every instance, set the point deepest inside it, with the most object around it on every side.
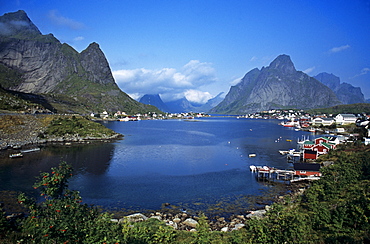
(199, 48)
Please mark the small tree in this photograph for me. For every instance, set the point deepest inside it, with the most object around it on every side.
(62, 217)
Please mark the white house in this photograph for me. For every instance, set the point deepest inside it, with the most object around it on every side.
(323, 121)
(345, 119)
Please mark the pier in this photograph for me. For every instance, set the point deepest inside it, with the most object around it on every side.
(269, 173)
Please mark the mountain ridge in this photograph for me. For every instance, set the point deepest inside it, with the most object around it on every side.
(277, 86)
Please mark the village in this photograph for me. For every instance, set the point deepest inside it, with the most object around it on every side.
(307, 169)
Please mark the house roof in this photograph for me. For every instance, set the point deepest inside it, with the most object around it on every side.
(326, 144)
(307, 166)
(347, 115)
(309, 143)
(328, 119)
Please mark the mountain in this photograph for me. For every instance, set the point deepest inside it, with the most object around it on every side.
(180, 106)
(211, 103)
(278, 86)
(155, 100)
(345, 92)
(68, 80)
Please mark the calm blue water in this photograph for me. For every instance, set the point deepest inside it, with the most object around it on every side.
(163, 161)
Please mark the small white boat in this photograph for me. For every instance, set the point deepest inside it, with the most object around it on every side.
(30, 150)
(282, 152)
(16, 155)
(252, 155)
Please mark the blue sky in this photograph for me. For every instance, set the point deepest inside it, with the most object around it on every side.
(198, 48)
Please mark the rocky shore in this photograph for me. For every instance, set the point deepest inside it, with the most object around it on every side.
(188, 220)
(17, 131)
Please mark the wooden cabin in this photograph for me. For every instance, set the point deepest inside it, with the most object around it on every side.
(307, 169)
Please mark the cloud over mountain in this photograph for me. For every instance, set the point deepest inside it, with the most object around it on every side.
(169, 82)
(60, 20)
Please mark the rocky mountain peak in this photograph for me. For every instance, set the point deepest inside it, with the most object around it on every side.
(93, 60)
(17, 24)
(278, 86)
(284, 64)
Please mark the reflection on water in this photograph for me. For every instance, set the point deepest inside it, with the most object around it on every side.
(19, 174)
(174, 161)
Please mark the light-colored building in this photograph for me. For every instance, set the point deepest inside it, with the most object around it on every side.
(345, 119)
(323, 121)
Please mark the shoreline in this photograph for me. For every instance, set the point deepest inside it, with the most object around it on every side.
(17, 131)
(176, 217)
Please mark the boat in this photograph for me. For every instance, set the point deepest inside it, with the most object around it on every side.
(36, 149)
(252, 155)
(288, 124)
(282, 152)
(16, 155)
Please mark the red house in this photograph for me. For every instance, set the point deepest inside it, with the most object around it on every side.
(320, 140)
(310, 154)
(308, 144)
(307, 169)
(321, 145)
(321, 148)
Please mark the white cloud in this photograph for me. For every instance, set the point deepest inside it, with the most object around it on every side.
(236, 81)
(254, 58)
(55, 17)
(309, 70)
(197, 96)
(364, 71)
(339, 49)
(168, 82)
(79, 38)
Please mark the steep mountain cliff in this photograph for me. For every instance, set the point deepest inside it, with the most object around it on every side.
(70, 81)
(345, 92)
(277, 86)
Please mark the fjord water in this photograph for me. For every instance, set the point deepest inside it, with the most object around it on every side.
(181, 162)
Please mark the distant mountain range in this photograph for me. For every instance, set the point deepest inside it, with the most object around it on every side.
(345, 92)
(281, 86)
(67, 81)
(181, 105)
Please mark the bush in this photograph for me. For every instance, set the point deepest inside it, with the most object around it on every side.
(62, 217)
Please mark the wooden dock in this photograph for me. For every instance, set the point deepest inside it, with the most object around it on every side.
(269, 173)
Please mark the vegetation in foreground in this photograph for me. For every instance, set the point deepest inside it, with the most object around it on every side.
(334, 209)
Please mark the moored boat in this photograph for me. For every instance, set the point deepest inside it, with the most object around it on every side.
(16, 155)
(30, 150)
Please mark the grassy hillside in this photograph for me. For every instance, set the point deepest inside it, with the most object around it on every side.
(76, 95)
(357, 108)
